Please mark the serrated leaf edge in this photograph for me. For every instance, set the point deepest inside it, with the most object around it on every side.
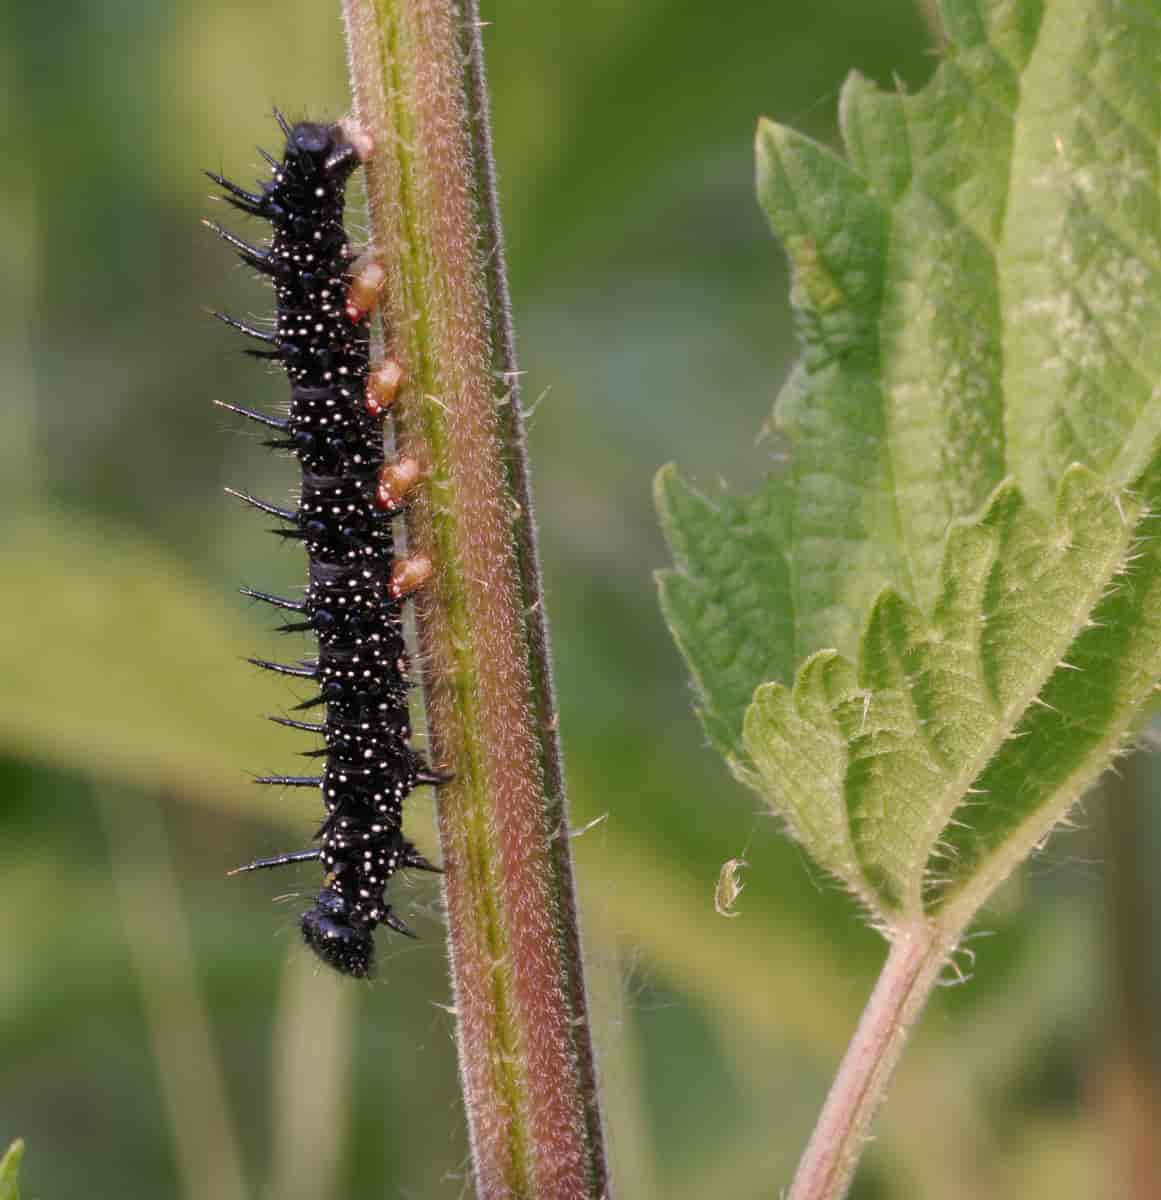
(851, 870)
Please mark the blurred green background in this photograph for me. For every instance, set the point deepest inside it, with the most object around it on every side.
(163, 1034)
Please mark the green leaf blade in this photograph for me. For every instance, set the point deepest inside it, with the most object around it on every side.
(728, 601)
(942, 313)
(1086, 710)
(1081, 261)
(799, 749)
(874, 131)
(977, 293)
(842, 522)
(881, 772)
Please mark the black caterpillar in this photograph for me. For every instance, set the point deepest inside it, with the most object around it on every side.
(348, 499)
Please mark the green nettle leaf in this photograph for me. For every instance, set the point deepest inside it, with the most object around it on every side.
(906, 775)
(977, 615)
(10, 1171)
(729, 599)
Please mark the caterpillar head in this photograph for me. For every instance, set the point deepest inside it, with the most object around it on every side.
(327, 146)
(328, 930)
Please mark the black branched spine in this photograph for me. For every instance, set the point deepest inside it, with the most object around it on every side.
(350, 605)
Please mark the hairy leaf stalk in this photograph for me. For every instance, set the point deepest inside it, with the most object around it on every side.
(828, 1164)
(525, 1050)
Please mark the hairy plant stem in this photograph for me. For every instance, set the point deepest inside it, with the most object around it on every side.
(525, 1050)
(917, 954)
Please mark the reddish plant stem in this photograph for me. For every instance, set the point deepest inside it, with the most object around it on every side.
(525, 1050)
(913, 964)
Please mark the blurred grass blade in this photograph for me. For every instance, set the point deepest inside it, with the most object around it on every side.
(312, 1085)
(189, 1066)
(131, 656)
(10, 1171)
